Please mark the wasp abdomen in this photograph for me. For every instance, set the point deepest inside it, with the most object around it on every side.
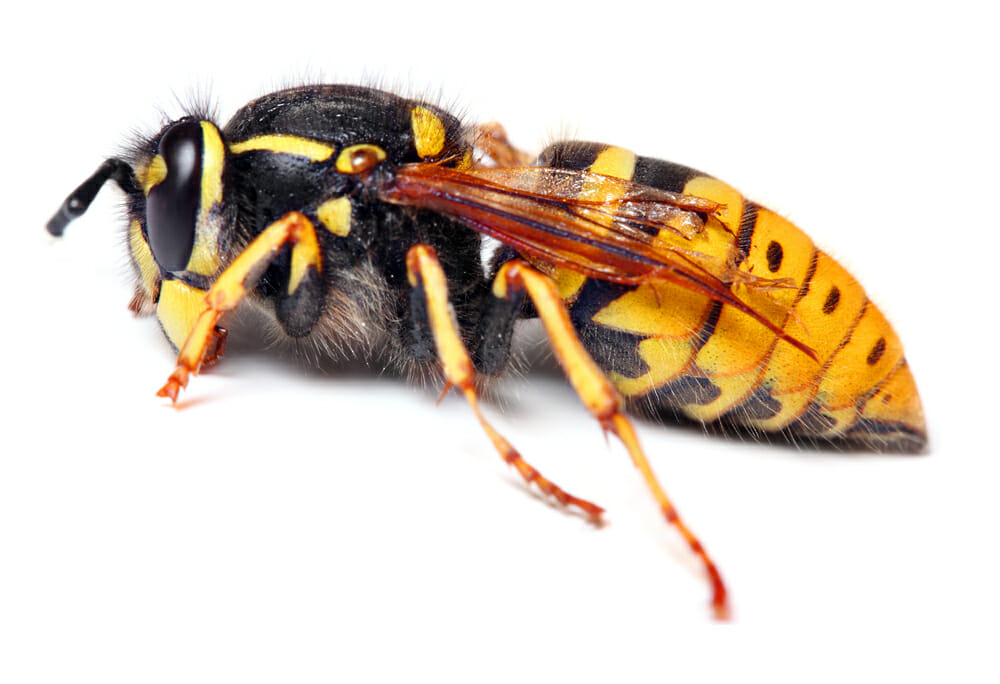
(680, 350)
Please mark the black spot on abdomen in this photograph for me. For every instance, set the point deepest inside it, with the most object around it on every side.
(832, 300)
(775, 254)
(877, 351)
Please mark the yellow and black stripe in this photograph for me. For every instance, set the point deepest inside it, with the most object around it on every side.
(679, 350)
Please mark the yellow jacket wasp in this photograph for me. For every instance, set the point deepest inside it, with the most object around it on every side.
(356, 217)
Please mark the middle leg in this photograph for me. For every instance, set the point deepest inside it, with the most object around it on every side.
(426, 275)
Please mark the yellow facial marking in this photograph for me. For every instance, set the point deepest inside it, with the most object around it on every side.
(178, 309)
(204, 254)
(149, 273)
(358, 158)
(153, 174)
(428, 132)
(335, 215)
(212, 162)
(286, 144)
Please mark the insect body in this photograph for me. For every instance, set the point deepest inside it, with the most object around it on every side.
(355, 219)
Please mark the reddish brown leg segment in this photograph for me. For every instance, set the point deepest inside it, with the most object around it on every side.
(425, 271)
(601, 399)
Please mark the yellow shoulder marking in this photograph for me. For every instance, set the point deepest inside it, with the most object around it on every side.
(335, 215)
(428, 132)
(286, 144)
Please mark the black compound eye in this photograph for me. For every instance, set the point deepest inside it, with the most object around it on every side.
(173, 203)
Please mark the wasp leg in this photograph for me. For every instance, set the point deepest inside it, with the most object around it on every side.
(215, 348)
(600, 397)
(203, 342)
(491, 140)
(425, 273)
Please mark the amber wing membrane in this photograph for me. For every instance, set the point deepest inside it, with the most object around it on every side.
(591, 224)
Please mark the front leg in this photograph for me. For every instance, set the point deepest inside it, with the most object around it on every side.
(234, 282)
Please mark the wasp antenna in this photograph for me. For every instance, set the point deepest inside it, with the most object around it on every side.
(79, 200)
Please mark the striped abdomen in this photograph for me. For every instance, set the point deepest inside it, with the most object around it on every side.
(679, 350)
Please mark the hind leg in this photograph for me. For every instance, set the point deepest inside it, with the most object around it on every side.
(600, 397)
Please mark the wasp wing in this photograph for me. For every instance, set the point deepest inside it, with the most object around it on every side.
(601, 226)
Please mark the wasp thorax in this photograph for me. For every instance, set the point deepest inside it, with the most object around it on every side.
(173, 203)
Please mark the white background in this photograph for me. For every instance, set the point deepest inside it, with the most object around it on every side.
(295, 526)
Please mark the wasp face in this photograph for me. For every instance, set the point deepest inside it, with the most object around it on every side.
(176, 219)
